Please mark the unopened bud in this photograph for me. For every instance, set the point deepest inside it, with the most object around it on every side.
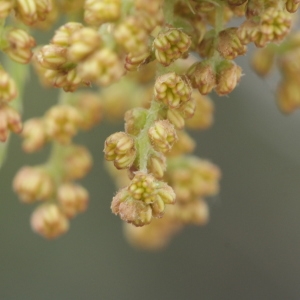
(162, 136)
(48, 221)
(62, 37)
(72, 199)
(32, 184)
(52, 57)
(5, 8)
(8, 88)
(156, 165)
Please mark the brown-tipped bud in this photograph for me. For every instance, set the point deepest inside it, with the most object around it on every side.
(32, 184)
(133, 62)
(103, 67)
(10, 120)
(172, 89)
(288, 96)
(6, 7)
(120, 148)
(292, 5)
(132, 36)
(157, 165)
(32, 11)
(83, 43)
(62, 37)
(34, 135)
(62, 122)
(204, 113)
(52, 57)
(202, 77)
(263, 61)
(97, 12)
(8, 88)
(19, 45)
(162, 136)
(171, 45)
(72, 198)
(135, 120)
(228, 76)
(48, 221)
(90, 108)
(77, 163)
(229, 44)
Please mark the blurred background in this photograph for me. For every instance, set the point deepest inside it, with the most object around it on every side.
(250, 249)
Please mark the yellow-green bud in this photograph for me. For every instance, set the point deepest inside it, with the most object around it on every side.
(8, 88)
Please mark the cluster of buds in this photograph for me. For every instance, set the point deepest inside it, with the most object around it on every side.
(144, 198)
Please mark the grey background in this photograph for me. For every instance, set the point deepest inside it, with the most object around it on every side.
(249, 250)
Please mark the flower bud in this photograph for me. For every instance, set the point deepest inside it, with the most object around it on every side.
(203, 116)
(8, 88)
(157, 165)
(202, 77)
(72, 199)
(133, 62)
(34, 135)
(10, 120)
(171, 45)
(62, 37)
(62, 122)
(228, 76)
(185, 144)
(175, 117)
(288, 95)
(120, 148)
(32, 184)
(135, 120)
(19, 45)
(263, 61)
(97, 12)
(172, 90)
(292, 5)
(83, 43)
(77, 163)
(5, 8)
(52, 57)
(48, 221)
(162, 136)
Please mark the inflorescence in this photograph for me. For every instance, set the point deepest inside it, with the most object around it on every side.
(153, 63)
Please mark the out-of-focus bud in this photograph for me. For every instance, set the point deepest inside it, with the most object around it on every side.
(83, 43)
(32, 11)
(288, 96)
(202, 77)
(132, 36)
(10, 120)
(5, 8)
(52, 57)
(185, 144)
(156, 165)
(34, 135)
(62, 37)
(162, 136)
(203, 116)
(19, 45)
(175, 117)
(133, 62)
(171, 45)
(228, 76)
(97, 12)
(229, 44)
(135, 120)
(236, 2)
(120, 148)
(151, 7)
(48, 221)
(72, 199)
(77, 163)
(62, 122)
(103, 67)
(292, 5)
(32, 184)
(172, 89)
(90, 108)
(8, 88)
(263, 60)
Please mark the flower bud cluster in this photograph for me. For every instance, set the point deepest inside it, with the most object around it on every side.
(143, 199)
